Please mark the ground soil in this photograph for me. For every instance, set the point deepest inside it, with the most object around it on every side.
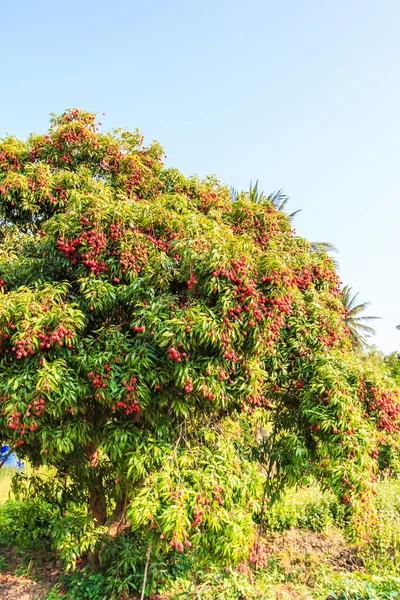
(329, 547)
(22, 588)
(22, 580)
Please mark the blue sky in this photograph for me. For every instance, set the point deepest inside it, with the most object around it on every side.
(303, 96)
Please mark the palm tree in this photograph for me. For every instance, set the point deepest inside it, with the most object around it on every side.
(356, 323)
(278, 199)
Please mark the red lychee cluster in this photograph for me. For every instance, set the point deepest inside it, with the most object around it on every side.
(136, 256)
(258, 554)
(189, 387)
(178, 544)
(191, 281)
(218, 492)
(207, 393)
(174, 354)
(94, 242)
(384, 405)
(97, 380)
(59, 336)
(27, 423)
(130, 405)
(115, 231)
(9, 162)
(129, 408)
(23, 347)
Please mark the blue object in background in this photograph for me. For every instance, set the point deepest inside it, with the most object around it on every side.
(12, 460)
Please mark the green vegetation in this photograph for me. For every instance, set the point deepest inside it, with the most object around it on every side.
(392, 362)
(303, 554)
(174, 359)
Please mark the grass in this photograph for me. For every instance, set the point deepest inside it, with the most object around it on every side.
(6, 475)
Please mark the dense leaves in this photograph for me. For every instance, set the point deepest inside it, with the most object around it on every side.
(149, 322)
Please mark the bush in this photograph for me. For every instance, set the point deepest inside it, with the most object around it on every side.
(123, 563)
(362, 587)
(38, 525)
(84, 585)
(384, 550)
(305, 509)
(26, 525)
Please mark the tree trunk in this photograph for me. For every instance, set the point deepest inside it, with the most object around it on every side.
(119, 522)
(97, 504)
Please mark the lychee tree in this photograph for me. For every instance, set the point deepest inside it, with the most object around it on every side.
(149, 324)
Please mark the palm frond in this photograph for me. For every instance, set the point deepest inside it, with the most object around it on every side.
(365, 329)
(356, 309)
(278, 199)
(366, 318)
(255, 195)
(348, 300)
(354, 319)
(326, 247)
(234, 194)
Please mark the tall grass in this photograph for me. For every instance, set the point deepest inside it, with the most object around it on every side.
(6, 475)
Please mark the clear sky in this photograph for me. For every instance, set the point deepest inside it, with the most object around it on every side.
(301, 95)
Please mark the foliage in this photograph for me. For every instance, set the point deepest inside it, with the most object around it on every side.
(308, 508)
(123, 561)
(84, 585)
(367, 588)
(220, 585)
(392, 362)
(384, 550)
(26, 525)
(389, 441)
(149, 325)
(389, 457)
(288, 571)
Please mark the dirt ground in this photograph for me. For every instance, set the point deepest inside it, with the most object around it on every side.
(18, 582)
(22, 588)
(330, 546)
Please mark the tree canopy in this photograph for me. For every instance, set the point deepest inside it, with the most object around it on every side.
(149, 322)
